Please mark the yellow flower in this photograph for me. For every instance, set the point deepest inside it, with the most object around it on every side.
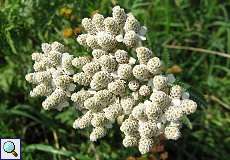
(131, 158)
(67, 32)
(175, 69)
(66, 12)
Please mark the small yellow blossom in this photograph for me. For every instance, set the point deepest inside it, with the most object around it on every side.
(67, 32)
(66, 12)
(131, 158)
(175, 69)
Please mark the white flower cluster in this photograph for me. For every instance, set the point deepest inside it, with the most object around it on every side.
(52, 76)
(110, 32)
(113, 85)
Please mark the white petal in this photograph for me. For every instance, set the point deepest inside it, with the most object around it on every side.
(132, 60)
(142, 38)
(185, 95)
(119, 38)
(176, 102)
(46, 47)
(143, 30)
(71, 87)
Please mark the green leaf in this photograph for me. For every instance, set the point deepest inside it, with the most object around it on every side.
(54, 151)
(187, 122)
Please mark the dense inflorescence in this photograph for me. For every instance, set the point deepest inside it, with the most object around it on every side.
(113, 84)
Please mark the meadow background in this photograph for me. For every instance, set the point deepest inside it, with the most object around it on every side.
(174, 26)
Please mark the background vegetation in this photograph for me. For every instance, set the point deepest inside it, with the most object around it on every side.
(173, 26)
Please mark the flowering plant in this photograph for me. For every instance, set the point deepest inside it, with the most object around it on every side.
(121, 81)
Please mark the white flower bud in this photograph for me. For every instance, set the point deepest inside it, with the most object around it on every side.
(40, 66)
(134, 85)
(97, 53)
(56, 46)
(117, 87)
(41, 90)
(152, 110)
(147, 129)
(161, 98)
(103, 98)
(91, 41)
(173, 113)
(43, 76)
(88, 26)
(130, 141)
(46, 47)
(132, 24)
(106, 40)
(54, 99)
(62, 81)
(54, 58)
(67, 63)
(97, 133)
(131, 39)
(98, 120)
(80, 96)
(141, 72)
(100, 80)
(30, 77)
(176, 92)
(91, 104)
(91, 68)
(81, 39)
(143, 54)
(160, 82)
(124, 71)
(98, 22)
(172, 133)
(37, 56)
(111, 25)
(82, 79)
(79, 62)
(139, 112)
(144, 90)
(119, 15)
(127, 104)
(83, 121)
(107, 63)
(188, 106)
(129, 126)
(113, 111)
(145, 145)
(154, 65)
(121, 56)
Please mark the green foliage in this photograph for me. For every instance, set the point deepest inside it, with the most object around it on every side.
(24, 24)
